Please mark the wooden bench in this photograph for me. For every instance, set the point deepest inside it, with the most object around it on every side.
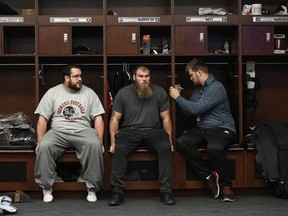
(17, 168)
(235, 156)
(23, 160)
(143, 155)
(69, 157)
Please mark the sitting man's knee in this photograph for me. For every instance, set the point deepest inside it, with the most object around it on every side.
(214, 150)
(45, 146)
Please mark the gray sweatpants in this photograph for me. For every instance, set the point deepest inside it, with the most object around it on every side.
(88, 150)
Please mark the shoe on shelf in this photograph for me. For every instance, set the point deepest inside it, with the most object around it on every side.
(227, 194)
(213, 184)
(167, 199)
(91, 197)
(117, 199)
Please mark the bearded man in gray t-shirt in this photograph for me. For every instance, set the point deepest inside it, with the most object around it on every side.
(144, 112)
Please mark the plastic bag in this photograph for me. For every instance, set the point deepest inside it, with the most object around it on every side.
(16, 129)
(4, 136)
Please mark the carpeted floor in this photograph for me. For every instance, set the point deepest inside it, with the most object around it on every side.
(245, 205)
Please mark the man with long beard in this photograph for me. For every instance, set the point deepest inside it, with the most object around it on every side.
(144, 112)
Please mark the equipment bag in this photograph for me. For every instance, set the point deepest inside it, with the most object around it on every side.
(271, 141)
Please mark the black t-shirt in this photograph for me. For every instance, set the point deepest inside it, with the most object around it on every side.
(141, 113)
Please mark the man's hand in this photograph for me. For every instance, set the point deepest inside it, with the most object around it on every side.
(37, 148)
(112, 148)
(172, 148)
(174, 92)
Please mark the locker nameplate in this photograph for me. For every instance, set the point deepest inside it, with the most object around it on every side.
(206, 19)
(138, 19)
(11, 19)
(269, 19)
(70, 19)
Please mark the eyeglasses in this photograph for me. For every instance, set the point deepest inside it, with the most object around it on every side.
(76, 76)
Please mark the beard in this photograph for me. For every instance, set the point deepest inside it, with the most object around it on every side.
(196, 81)
(144, 90)
(75, 87)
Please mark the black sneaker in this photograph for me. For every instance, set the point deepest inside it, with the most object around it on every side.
(213, 184)
(117, 199)
(227, 194)
(167, 199)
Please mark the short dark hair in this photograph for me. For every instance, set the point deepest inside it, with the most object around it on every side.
(196, 64)
(67, 70)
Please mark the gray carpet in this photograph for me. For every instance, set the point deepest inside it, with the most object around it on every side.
(245, 205)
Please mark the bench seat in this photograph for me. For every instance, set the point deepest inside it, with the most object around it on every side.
(20, 160)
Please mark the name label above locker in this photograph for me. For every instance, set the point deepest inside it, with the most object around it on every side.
(11, 19)
(70, 19)
(206, 19)
(138, 19)
(270, 19)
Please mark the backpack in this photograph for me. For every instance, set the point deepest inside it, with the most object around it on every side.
(271, 141)
(250, 100)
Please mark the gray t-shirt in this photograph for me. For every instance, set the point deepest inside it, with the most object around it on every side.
(141, 113)
(70, 111)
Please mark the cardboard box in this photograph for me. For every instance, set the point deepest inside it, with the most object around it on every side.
(27, 10)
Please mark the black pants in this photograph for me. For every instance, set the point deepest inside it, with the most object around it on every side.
(217, 141)
(156, 140)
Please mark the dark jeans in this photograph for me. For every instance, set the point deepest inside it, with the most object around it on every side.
(217, 141)
(156, 140)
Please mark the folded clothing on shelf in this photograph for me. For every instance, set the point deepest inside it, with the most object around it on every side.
(215, 11)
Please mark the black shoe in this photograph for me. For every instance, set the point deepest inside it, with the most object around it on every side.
(213, 184)
(167, 199)
(117, 199)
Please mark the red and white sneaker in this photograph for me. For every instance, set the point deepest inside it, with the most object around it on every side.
(227, 195)
(213, 184)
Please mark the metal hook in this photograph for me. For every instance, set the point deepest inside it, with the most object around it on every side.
(126, 70)
(41, 74)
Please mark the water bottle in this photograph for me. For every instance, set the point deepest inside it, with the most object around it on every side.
(165, 47)
(146, 44)
(226, 47)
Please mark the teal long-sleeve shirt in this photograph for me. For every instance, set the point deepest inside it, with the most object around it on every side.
(210, 105)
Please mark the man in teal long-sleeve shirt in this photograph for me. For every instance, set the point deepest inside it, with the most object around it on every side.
(215, 128)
